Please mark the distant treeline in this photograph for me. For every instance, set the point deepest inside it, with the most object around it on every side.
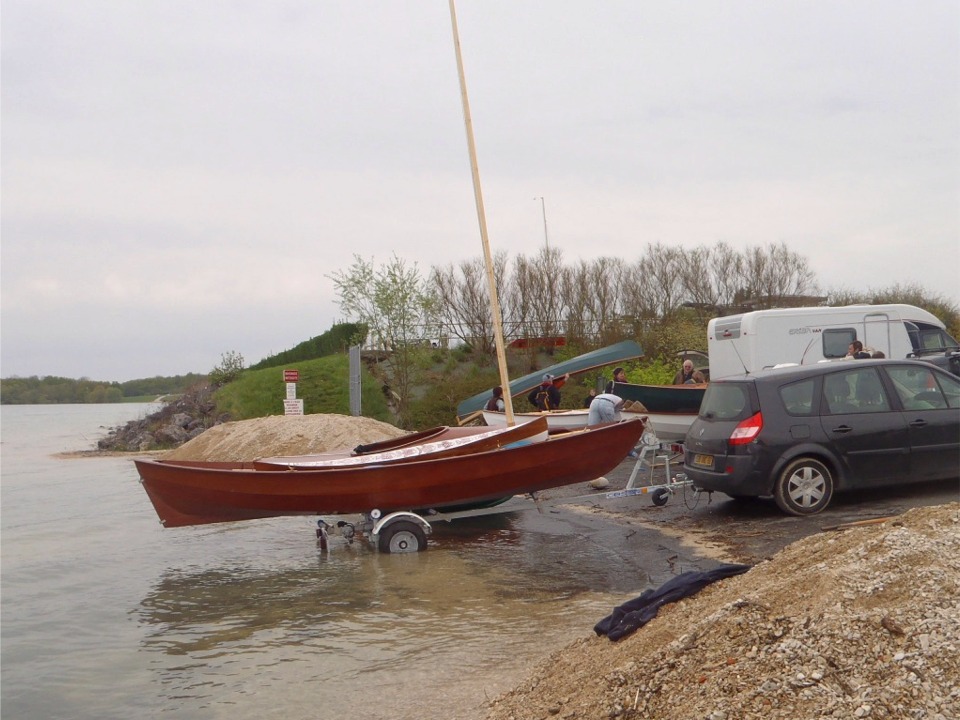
(57, 390)
(53, 390)
(335, 340)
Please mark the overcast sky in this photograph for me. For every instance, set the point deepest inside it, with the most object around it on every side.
(179, 177)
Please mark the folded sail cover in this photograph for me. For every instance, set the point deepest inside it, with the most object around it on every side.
(621, 352)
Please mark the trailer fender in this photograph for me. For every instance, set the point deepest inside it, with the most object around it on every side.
(400, 515)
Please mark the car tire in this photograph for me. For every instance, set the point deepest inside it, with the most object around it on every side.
(804, 487)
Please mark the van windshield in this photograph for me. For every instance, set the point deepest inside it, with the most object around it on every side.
(726, 401)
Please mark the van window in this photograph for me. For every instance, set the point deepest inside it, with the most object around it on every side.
(836, 341)
(726, 401)
(855, 391)
(936, 339)
(797, 397)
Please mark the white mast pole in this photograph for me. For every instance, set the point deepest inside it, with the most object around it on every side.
(481, 217)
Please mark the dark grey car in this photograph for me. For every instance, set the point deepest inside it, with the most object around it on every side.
(801, 433)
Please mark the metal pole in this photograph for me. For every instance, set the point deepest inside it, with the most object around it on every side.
(543, 208)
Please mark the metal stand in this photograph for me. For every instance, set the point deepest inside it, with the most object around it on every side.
(649, 445)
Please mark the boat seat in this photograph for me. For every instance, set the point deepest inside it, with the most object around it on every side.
(651, 446)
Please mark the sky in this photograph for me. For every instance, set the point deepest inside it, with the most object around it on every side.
(180, 178)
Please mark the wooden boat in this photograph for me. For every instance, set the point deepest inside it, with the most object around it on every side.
(620, 352)
(669, 427)
(671, 408)
(434, 434)
(194, 493)
(557, 420)
(534, 430)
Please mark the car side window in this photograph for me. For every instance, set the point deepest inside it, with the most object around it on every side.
(855, 391)
(951, 389)
(797, 398)
(918, 388)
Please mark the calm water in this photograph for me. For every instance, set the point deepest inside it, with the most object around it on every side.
(105, 614)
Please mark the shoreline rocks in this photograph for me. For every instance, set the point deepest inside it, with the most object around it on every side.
(173, 425)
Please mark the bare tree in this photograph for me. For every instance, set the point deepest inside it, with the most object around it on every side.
(726, 273)
(660, 269)
(462, 302)
(696, 279)
(576, 288)
(606, 277)
(775, 272)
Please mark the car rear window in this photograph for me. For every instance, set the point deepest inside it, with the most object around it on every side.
(726, 401)
(797, 397)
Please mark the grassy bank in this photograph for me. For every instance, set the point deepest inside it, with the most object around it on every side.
(323, 387)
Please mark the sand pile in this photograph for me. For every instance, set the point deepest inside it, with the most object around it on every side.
(863, 623)
(246, 440)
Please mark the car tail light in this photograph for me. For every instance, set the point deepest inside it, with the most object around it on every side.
(747, 431)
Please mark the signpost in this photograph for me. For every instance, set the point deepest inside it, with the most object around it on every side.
(291, 405)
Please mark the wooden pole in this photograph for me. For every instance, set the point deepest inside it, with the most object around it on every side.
(482, 218)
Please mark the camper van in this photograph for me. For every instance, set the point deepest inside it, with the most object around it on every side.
(803, 336)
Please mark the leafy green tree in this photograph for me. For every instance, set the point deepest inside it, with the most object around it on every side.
(229, 369)
(392, 300)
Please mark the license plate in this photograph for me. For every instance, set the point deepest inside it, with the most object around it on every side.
(703, 461)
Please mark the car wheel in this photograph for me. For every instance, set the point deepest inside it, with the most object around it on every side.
(805, 487)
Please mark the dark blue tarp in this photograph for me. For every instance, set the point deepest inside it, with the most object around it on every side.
(636, 613)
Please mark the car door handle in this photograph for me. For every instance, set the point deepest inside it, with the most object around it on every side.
(843, 429)
(918, 423)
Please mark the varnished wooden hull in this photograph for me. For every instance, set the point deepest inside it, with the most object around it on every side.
(186, 493)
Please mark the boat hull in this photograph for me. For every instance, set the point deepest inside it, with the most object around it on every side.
(198, 493)
(670, 427)
(555, 419)
(663, 398)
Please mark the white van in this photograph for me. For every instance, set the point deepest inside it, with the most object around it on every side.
(802, 336)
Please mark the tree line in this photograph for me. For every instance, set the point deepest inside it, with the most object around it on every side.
(50, 389)
(664, 299)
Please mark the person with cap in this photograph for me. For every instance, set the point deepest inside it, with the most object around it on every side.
(546, 396)
(495, 403)
(687, 375)
(619, 376)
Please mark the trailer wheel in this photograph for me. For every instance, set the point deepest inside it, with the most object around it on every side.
(660, 497)
(805, 487)
(402, 536)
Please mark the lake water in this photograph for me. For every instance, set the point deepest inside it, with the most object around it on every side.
(105, 614)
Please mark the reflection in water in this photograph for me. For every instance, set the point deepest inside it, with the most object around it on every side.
(474, 603)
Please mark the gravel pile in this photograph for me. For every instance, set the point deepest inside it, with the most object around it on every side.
(859, 623)
(247, 440)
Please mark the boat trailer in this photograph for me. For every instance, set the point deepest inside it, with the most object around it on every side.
(407, 531)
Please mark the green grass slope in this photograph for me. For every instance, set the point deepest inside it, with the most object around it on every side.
(324, 388)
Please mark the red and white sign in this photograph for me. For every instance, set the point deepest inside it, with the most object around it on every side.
(291, 376)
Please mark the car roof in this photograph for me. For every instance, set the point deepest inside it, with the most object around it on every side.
(821, 368)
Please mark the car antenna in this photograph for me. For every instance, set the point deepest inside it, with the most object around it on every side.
(742, 363)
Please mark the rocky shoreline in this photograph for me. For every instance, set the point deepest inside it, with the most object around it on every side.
(173, 425)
